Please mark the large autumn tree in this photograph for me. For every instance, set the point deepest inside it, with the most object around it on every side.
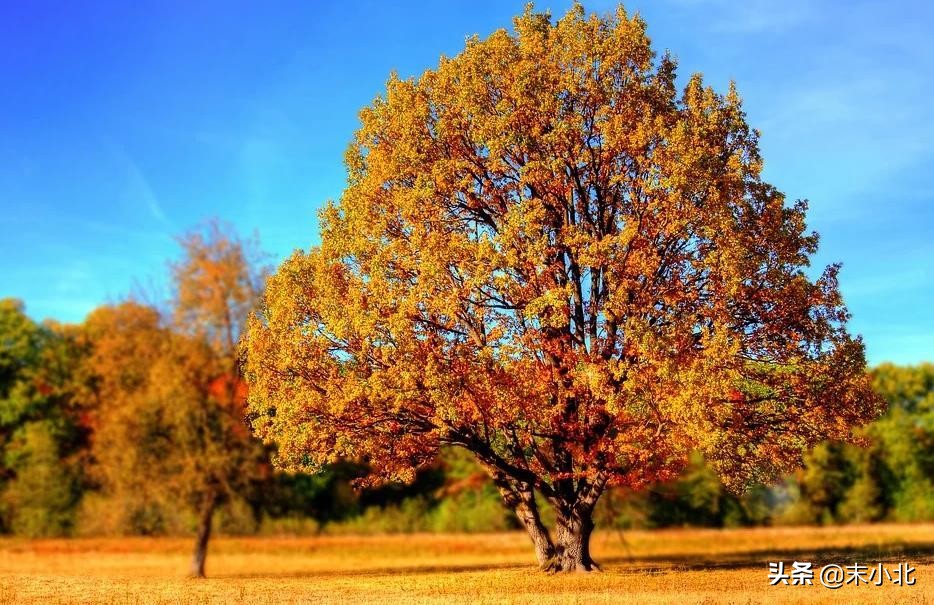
(549, 256)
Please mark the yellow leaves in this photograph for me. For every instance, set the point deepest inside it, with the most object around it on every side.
(217, 283)
(540, 237)
(551, 308)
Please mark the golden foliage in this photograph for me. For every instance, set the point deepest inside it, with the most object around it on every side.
(548, 255)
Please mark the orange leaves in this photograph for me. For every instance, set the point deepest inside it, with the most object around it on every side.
(548, 256)
(221, 388)
(216, 284)
(171, 412)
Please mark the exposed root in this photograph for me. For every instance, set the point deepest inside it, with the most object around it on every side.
(556, 565)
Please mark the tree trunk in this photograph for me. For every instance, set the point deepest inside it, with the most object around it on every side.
(531, 521)
(570, 550)
(520, 498)
(572, 542)
(575, 526)
(201, 540)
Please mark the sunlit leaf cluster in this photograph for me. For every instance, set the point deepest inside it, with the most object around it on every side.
(552, 255)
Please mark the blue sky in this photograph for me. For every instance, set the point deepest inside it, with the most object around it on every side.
(124, 123)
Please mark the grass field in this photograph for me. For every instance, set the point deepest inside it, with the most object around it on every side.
(674, 566)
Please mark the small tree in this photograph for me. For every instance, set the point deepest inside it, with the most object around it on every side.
(171, 400)
(547, 256)
(216, 283)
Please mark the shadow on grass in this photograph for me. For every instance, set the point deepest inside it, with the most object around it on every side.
(914, 553)
(363, 570)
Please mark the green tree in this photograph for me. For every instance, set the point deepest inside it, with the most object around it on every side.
(822, 484)
(42, 429)
(889, 476)
(41, 498)
(905, 438)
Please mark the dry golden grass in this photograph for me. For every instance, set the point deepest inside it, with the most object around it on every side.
(676, 566)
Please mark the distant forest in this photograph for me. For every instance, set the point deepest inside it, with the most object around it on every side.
(133, 423)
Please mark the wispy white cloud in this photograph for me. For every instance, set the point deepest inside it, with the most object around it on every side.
(112, 229)
(73, 277)
(841, 138)
(139, 187)
(136, 188)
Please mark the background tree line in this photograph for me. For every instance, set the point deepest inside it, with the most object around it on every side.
(132, 422)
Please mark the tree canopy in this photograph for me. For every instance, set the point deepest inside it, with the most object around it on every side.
(550, 256)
